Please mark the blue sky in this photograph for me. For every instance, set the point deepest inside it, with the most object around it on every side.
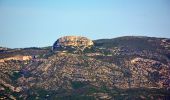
(38, 23)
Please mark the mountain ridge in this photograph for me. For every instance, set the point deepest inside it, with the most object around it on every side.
(107, 70)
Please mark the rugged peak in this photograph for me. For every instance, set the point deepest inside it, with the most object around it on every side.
(76, 42)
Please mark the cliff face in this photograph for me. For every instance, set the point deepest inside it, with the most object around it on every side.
(18, 57)
(73, 41)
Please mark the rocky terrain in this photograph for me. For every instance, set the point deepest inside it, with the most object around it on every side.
(72, 43)
(130, 68)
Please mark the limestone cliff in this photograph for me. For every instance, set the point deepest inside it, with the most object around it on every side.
(77, 42)
(17, 57)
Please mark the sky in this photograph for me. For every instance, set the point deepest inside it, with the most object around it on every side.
(39, 23)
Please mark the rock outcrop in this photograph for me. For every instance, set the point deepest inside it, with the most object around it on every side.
(76, 42)
(18, 57)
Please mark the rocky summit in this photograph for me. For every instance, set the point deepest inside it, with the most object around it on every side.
(124, 68)
(74, 42)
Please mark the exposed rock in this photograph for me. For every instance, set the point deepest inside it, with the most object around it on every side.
(102, 96)
(76, 42)
(14, 89)
(18, 57)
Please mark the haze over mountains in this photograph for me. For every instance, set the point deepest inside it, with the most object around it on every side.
(129, 67)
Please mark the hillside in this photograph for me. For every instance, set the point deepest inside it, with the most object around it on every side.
(119, 68)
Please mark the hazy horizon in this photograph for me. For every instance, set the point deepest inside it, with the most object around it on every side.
(40, 23)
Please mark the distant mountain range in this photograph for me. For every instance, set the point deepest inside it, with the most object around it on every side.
(130, 68)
